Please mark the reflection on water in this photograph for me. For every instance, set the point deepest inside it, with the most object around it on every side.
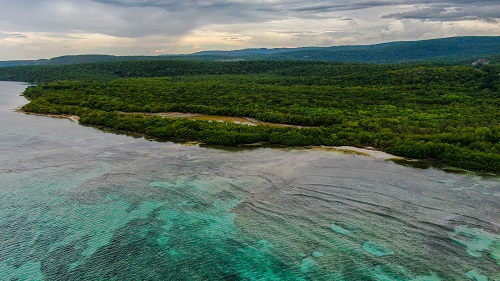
(80, 204)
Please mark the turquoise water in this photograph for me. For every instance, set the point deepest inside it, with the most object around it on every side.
(80, 204)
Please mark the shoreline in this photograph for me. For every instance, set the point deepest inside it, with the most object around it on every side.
(367, 151)
(74, 118)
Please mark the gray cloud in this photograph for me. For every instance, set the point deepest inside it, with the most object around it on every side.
(171, 4)
(12, 35)
(56, 16)
(140, 18)
(297, 7)
(456, 13)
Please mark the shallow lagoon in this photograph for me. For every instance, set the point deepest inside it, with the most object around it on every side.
(80, 204)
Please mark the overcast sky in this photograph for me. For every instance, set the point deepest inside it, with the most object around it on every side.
(32, 29)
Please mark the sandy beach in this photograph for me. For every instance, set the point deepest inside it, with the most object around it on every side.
(368, 151)
(74, 118)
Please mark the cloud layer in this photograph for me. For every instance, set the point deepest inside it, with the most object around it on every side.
(44, 28)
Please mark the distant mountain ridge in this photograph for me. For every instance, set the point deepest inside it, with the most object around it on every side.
(76, 59)
(401, 51)
(453, 49)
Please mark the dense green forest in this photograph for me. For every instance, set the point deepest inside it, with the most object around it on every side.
(113, 70)
(425, 111)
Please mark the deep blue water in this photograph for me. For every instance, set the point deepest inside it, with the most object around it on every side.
(77, 203)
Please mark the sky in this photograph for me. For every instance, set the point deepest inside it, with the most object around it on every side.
(34, 29)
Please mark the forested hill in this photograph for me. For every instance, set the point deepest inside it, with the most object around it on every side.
(454, 49)
(446, 49)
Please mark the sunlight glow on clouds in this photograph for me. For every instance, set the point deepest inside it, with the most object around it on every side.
(33, 29)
